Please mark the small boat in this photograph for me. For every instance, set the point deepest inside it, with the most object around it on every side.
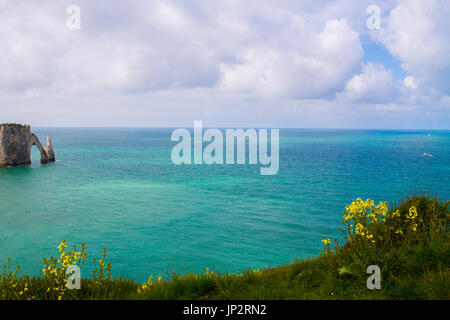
(427, 155)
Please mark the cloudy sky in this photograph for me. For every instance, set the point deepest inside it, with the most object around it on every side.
(229, 63)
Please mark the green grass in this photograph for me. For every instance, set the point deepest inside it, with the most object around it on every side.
(414, 264)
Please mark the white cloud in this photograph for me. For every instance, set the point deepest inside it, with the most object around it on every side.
(27, 56)
(410, 82)
(373, 84)
(38, 50)
(417, 32)
(263, 50)
(309, 65)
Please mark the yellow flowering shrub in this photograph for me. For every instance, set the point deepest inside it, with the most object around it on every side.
(55, 269)
(369, 224)
(360, 216)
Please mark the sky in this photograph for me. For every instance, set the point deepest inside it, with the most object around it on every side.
(228, 63)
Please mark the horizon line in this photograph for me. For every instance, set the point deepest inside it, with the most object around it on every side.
(236, 127)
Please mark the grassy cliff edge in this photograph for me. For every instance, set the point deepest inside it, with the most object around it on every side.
(409, 243)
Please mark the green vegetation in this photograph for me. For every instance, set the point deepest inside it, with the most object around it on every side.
(14, 125)
(409, 242)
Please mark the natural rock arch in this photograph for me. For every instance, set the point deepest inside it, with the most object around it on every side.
(16, 142)
(35, 142)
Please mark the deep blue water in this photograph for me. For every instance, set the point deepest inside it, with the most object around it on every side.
(117, 188)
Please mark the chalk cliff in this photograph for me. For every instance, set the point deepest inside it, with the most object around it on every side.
(15, 146)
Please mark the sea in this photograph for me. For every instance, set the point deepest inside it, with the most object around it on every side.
(117, 188)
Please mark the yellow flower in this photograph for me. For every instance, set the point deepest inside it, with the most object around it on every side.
(62, 245)
(412, 214)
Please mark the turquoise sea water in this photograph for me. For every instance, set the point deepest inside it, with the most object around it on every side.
(117, 188)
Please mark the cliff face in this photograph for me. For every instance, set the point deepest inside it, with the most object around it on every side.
(15, 146)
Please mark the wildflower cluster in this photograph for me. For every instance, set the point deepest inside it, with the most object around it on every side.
(360, 216)
(257, 272)
(368, 224)
(146, 287)
(327, 245)
(102, 272)
(403, 224)
(11, 286)
(412, 218)
(55, 269)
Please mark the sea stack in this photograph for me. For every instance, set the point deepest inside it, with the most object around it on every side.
(16, 141)
(49, 150)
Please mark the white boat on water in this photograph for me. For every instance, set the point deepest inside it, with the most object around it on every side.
(427, 155)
